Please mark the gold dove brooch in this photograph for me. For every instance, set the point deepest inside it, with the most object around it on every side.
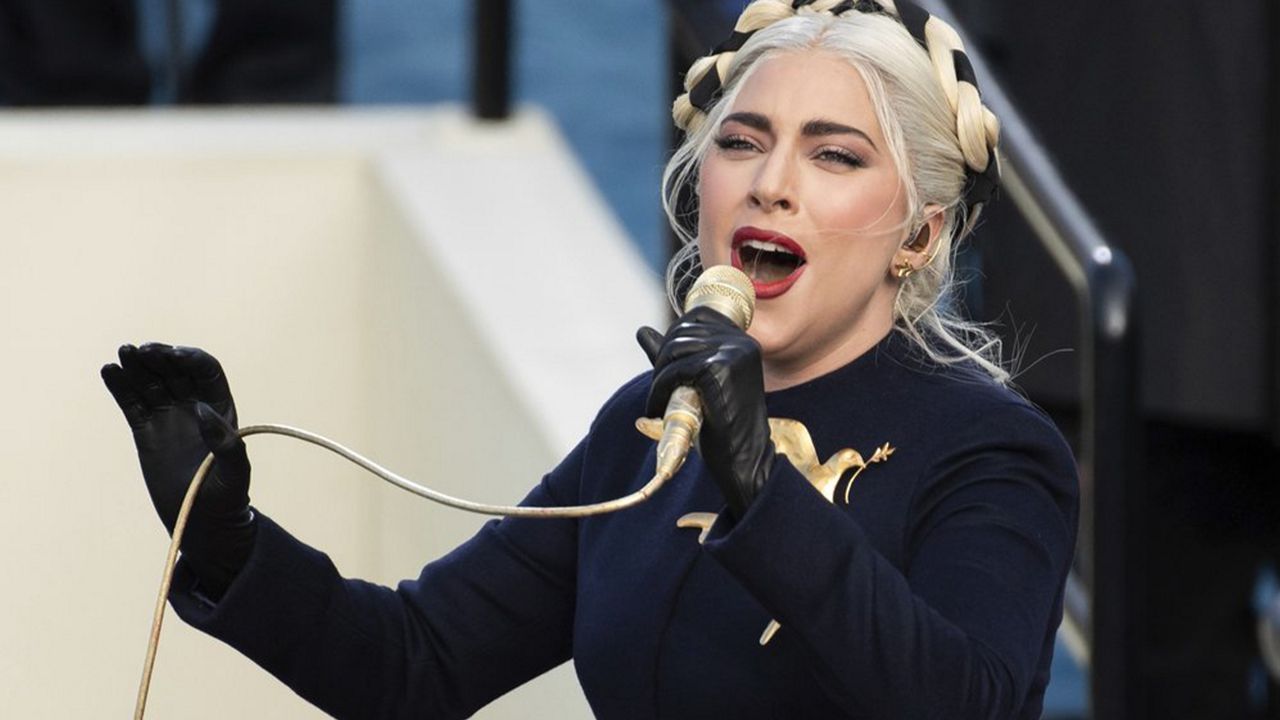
(790, 438)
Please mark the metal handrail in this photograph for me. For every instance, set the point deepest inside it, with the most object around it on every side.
(1103, 598)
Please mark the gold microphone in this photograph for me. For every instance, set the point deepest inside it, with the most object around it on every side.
(728, 291)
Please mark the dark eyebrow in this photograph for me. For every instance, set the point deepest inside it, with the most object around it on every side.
(818, 128)
(751, 120)
(813, 128)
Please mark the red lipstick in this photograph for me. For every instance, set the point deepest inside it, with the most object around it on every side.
(772, 289)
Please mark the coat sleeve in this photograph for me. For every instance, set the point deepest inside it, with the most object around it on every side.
(485, 618)
(956, 633)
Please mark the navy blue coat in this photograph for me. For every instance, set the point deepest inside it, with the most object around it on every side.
(934, 592)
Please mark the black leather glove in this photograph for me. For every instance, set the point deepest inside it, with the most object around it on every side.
(179, 406)
(707, 352)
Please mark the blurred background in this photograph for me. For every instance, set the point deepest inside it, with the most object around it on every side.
(464, 189)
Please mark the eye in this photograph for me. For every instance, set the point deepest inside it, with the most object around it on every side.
(842, 156)
(730, 143)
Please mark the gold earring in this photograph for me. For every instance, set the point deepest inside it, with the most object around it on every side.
(905, 269)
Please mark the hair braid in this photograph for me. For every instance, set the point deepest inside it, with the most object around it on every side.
(977, 129)
(707, 73)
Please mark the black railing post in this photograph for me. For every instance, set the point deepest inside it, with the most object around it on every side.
(175, 30)
(1272, 248)
(1113, 425)
(491, 59)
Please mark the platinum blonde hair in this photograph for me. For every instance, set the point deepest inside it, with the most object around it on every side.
(923, 125)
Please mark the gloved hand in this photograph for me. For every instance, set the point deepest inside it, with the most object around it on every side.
(177, 402)
(707, 352)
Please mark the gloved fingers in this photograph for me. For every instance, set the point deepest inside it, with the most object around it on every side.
(147, 385)
(701, 323)
(232, 462)
(710, 370)
(697, 331)
(650, 342)
(721, 349)
(707, 316)
(684, 371)
(135, 411)
(205, 373)
(680, 345)
(157, 358)
(685, 339)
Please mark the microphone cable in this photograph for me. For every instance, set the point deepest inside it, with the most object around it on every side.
(188, 501)
(721, 288)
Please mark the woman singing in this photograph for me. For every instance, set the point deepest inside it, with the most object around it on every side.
(837, 151)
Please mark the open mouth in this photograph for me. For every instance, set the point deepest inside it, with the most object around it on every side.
(767, 262)
(773, 261)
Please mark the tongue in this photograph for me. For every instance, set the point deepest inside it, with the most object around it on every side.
(766, 267)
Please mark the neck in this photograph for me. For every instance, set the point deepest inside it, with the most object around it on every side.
(781, 373)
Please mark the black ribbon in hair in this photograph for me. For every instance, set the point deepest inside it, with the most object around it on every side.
(706, 91)
(914, 18)
(964, 69)
(980, 187)
(734, 43)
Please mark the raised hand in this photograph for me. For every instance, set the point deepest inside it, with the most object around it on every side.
(179, 407)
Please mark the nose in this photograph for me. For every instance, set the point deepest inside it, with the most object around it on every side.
(773, 188)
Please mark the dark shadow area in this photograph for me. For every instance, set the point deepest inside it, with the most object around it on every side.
(1165, 125)
(88, 53)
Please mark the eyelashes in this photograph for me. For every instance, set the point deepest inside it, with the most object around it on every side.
(734, 142)
(828, 154)
(843, 156)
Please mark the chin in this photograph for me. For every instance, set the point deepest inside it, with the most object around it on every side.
(771, 336)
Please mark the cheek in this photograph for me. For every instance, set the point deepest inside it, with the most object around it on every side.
(873, 209)
(866, 233)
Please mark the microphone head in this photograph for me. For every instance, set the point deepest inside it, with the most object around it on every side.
(725, 289)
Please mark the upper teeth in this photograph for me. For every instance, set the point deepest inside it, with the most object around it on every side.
(767, 246)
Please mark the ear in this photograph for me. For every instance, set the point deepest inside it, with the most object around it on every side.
(918, 249)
